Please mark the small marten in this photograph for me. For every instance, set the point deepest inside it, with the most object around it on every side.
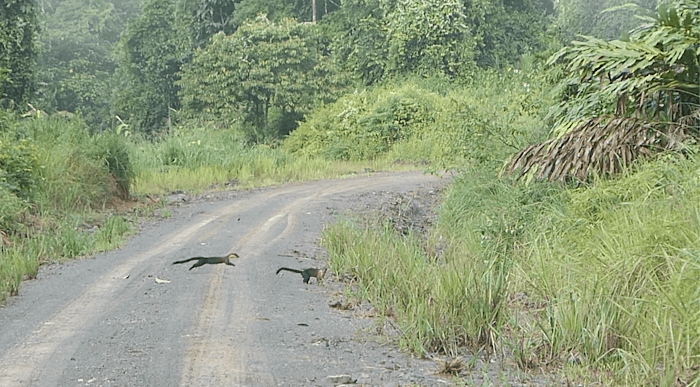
(209, 260)
(306, 273)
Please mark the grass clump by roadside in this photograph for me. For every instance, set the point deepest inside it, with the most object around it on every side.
(56, 181)
(599, 280)
(617, 272)
(440, 305)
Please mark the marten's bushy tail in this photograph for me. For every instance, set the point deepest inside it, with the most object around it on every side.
(288, 269)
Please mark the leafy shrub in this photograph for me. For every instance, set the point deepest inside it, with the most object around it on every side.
(624, 99)
(429, 119)
(488, 118)
(430, 37)
(365, 124)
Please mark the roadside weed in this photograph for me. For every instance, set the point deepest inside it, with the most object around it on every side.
(601, 278)
(112, 233)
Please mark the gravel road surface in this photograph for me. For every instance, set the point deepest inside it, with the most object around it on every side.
(130, 318)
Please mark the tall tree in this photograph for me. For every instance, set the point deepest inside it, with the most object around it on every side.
(18, 52)
(507, 29)
(76, 63)
(152, 49)
(263, 71)
(429, 37)
(359, 39)
(210, 17)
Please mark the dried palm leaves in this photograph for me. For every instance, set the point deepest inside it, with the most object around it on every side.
(603, 145)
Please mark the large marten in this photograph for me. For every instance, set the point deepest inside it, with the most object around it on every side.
(209, 260)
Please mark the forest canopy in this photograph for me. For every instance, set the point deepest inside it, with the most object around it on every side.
(125, 58)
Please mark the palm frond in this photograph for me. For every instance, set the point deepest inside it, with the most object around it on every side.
(604, 145)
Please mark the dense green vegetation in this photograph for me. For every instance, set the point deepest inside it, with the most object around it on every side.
(263, 78)
(503, 110)
(56, 182)
(594, 276)
(18, 52)
(605, 275)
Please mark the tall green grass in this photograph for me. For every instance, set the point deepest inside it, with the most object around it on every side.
(601, 279)
(57, 240)
(618, 270)
(77, 171)
(196, 159)
(440, 305)
(61, 177)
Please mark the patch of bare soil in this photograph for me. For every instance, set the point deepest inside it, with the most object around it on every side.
(409, 213)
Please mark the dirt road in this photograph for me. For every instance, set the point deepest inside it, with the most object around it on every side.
(130, 318)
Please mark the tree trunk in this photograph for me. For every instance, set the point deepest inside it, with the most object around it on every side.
(313, 11)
